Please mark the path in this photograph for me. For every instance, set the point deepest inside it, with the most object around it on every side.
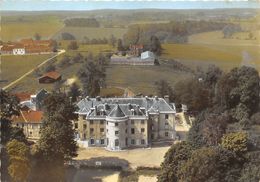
(32, 70)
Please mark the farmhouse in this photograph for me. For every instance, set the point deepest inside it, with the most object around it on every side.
(147, 58)
(50, 77)
(120, 123)
(28, 46)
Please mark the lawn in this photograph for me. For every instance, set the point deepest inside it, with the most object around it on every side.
(91, 33)
(15, 28)
(15, 66)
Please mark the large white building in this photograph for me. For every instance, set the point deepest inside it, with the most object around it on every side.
(120, 123)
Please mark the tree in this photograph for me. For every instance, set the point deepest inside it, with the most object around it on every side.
(120, 46)
(74, 92)
(67, 36)
(112, 40)
(210, 164)
(56, 144)
(155, 45)
(236, 142)
(19, 167)
(91, 76)
(164, 88)
(37, 36)
(73, 45)
(173, 160)
(50, 67)
(54, 45)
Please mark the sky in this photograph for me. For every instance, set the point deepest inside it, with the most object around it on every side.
(39, 5)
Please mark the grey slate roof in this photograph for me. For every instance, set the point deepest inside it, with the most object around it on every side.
(117, 112)
(129, 106)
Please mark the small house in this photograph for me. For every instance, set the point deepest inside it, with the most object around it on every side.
(50, 77)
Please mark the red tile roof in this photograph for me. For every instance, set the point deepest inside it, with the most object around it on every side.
(23, 96)
(29, 116)
(53, 74)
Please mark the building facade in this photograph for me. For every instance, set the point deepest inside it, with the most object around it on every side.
(120, 123)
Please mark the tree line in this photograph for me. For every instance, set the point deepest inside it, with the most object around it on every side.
(81, 22)
(222, 144)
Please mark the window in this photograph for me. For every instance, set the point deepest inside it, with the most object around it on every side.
(166, 116)
(126, 123)
(84, 136)
(166, 134)
(91, 130)
(76, 125)
(142, 141)
(107, 130)
(30, 133)
(152, 136)
(116, 124)
(22, 125)
(91, 121)
(132, 122)
(125, 130)
(101, 130)
(116, 132)
(92, 141)
(101, 122)
(152, 128)
(116, 142)
(107, 122)
(142, 121)
(166, 123)
(107, 141)
(142, 130)
(132, 131)
(84, 126)
(102, 141)
(133, 141)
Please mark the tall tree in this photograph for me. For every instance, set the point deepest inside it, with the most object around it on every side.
(155, 45)
(120, 46)
(91, 76)
(164, 88)
(74, 92)
(112, 40)
(19, 165)
(56, 144)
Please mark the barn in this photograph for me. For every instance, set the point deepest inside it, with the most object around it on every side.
(50, 77)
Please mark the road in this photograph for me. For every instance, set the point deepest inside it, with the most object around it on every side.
(32, 70)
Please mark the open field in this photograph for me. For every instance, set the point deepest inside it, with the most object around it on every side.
(15, 66)
(135, 157)
(141, 79)
(26, 26)
(98, 33)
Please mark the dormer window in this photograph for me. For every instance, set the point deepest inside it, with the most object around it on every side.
(166, 116)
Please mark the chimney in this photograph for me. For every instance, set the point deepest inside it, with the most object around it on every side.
(106, 106)
(129, 106)
(132, 111)
(166, 98)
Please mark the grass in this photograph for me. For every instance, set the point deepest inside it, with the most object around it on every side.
(15, 28)
(15, 66)
(133, 176)
(91, 33)
(141, 79)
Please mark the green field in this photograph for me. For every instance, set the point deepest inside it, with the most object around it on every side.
(15, 66)
(15, 28)
(141, 79)
(80, 32)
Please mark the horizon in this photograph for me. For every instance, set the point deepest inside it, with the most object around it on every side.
(64, 5)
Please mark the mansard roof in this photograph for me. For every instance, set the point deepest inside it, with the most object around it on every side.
(137, 106)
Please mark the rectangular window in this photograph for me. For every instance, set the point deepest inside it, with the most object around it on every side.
(126, 141)
(133, 141)
(166, 134)
(125, 130)
(92, 141)
(91, 122)
(166, 116)
(84, 126)
(91, 130)
(166, 123)
(116, 142)
(142, 121)
(116, 132)
(102, 141)
(142, 141)
(116, 124)
(101, 130)
(101, 122)
(132, 122)
(132, 131)
(76, 125)
(142, 130)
